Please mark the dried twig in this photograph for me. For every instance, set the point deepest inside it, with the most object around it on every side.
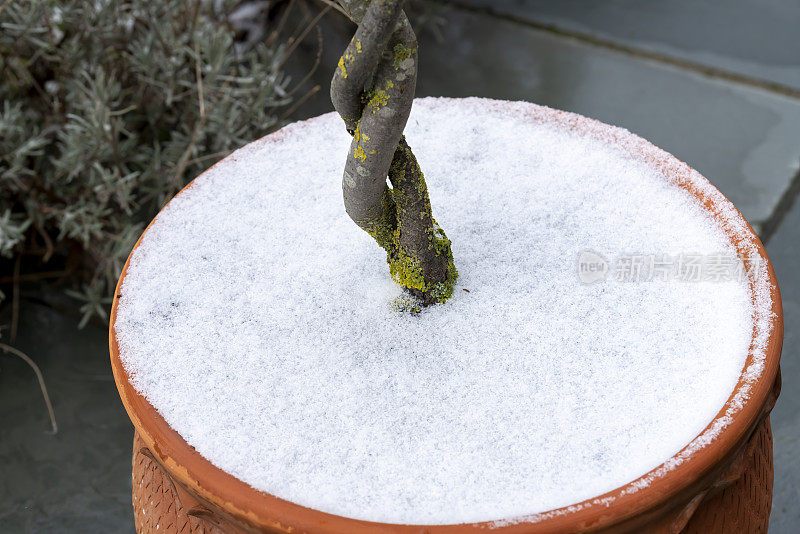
(299, 39)
(183, 162)
(40, 378)
(15, 300)
(5, 5)
(279, 28)
(34, 277)
(317, 61)
(300, 101)
(335, 6)
(48, 243)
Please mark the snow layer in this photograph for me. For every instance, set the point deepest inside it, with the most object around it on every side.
(259, 321)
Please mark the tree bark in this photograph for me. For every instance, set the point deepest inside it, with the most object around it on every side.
(372, 90)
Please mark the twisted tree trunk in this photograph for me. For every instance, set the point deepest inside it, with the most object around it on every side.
(372, 90)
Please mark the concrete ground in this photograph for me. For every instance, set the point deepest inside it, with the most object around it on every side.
(716, 83)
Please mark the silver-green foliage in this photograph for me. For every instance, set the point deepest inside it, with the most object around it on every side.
(107, 108)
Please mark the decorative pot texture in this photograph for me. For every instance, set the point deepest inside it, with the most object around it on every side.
(723, 486)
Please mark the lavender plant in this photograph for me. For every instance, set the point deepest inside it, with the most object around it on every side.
(108, 108)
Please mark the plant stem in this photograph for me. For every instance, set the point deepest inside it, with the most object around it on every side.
(373, 90)
(40, 378)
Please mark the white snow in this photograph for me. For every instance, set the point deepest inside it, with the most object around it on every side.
(258, 320)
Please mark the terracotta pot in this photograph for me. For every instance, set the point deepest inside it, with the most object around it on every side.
(724, 485)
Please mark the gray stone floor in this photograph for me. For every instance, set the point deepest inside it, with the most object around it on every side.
(79, 479)
(716, 83)
(750, 38)
(784, 252)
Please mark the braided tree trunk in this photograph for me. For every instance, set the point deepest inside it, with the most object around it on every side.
(372, 90)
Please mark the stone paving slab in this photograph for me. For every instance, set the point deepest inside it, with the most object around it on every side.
(756, 38)
(745, 140)
(784, 252)
(79, 479)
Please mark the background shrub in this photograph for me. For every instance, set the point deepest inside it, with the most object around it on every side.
(108, 108)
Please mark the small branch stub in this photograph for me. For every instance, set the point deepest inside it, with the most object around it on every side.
(372, 90)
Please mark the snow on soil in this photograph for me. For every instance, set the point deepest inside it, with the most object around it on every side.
(259, 320)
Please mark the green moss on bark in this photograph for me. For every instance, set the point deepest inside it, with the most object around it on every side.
(404, 267)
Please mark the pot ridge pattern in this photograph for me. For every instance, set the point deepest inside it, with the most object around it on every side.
(739, 500)
(157, 507)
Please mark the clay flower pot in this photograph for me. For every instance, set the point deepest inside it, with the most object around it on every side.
(715, 484)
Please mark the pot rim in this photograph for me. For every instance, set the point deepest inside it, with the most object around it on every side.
(677, 478)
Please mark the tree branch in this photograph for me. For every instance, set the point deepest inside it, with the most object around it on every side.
(373, 90)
